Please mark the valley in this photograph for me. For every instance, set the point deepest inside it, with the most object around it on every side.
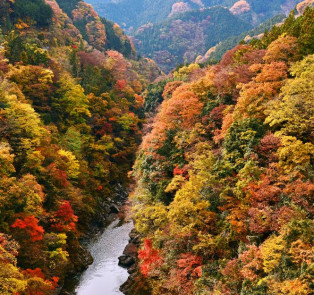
(174, 139)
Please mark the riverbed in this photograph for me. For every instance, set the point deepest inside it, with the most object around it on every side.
(105, 276)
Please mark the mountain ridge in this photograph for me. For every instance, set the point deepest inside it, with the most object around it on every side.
(134, 13)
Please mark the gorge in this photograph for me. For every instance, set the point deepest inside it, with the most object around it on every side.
(199, 180)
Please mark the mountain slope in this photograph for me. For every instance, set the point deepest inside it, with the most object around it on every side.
(215, 53)
(224, 195)
(70, 120)
(183, 37)
(99, 32)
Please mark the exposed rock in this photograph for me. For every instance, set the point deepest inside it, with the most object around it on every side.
(114, 208)
(136, 282)
(135, 237)
(130, 250)
(81, 258)
(126, 261)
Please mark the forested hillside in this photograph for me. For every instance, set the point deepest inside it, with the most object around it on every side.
(214, 54)
(70, 119)
(183, 37)
(224, 196)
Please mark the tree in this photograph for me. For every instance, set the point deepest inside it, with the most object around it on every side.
(189, 212)
(285, 48)
(11, 277)
(271, 251)
(36, 84)
(172, 114)
(36, 10)
(71, 106)
(64, 219)
(150, 258)
(25, 129)
(241, 139)
(189, 268)
(255, 95)
(30, 225)
(17, 50)
(6, 159)
(292, 114)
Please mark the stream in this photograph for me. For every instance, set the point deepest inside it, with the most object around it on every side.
(105, 276)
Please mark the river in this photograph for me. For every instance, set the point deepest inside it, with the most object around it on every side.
(104, 276)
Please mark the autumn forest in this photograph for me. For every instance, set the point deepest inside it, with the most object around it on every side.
(214, 154)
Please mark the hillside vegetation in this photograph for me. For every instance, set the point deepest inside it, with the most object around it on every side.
(70, 120)
(224, 196)
(176, 32)
(214, 54)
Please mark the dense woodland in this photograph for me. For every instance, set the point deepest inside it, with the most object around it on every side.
(224, 197)
(223, 153)
(70, 119)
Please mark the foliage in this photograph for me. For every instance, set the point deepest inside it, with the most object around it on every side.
(70, 119)
(154, 96)
(19, 51)
(150, 257)
(33, 10)
(220, 49)
(30, 224)
(224, 191)
(225, 172)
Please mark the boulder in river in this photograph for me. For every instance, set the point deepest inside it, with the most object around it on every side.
(126, 261)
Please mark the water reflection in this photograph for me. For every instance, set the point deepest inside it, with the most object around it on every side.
(104, 276)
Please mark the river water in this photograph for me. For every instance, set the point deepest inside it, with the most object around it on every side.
(104, 276)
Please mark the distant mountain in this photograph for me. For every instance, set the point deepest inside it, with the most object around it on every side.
(182, 37)
(134, 13)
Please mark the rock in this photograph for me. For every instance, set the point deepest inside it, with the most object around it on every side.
(126, 261)
(135, 285)
(114, 208)
(130, 250)
(135, 237)
(132, 269)
(133, 234)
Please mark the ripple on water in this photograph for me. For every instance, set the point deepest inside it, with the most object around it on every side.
(105, 276)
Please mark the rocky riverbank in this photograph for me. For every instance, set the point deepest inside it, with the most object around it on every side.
(112, 208)
(129, 259)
